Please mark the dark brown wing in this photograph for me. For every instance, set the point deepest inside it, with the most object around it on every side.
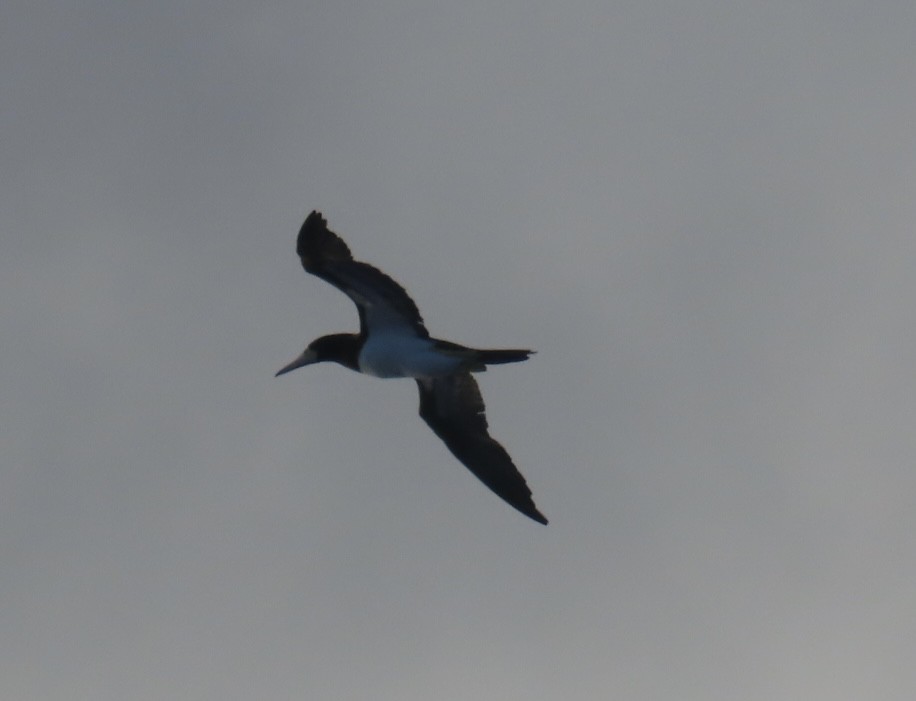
(382, 303)
(454, 410)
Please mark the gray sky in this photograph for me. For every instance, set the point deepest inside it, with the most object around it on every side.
(701, 217)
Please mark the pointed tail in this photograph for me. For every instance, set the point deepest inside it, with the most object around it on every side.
(497, 357)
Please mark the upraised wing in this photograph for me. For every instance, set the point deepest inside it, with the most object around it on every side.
(382, 303)
(454, 410)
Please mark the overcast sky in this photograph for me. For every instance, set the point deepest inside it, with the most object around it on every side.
(700, 214)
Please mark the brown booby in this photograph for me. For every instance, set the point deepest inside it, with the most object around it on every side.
(393, 342)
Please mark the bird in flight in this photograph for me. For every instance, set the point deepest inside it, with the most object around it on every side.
(393, 342)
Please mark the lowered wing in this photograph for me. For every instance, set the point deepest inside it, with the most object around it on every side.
(454, 410)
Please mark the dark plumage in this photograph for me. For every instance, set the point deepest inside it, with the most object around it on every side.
(393, 342)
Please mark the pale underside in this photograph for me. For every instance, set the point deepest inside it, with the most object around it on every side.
(398, 355)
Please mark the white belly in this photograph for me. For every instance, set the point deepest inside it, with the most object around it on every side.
(404, 356)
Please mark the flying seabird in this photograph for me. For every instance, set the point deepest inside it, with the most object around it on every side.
(393, 342)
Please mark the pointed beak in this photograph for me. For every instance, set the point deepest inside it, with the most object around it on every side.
(307, 358)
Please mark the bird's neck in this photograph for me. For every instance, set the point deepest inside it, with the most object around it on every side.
(346, 347)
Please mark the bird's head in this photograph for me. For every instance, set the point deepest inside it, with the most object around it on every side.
(340, 348)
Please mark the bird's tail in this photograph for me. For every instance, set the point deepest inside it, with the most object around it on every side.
(476, 360)
(497, 357)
